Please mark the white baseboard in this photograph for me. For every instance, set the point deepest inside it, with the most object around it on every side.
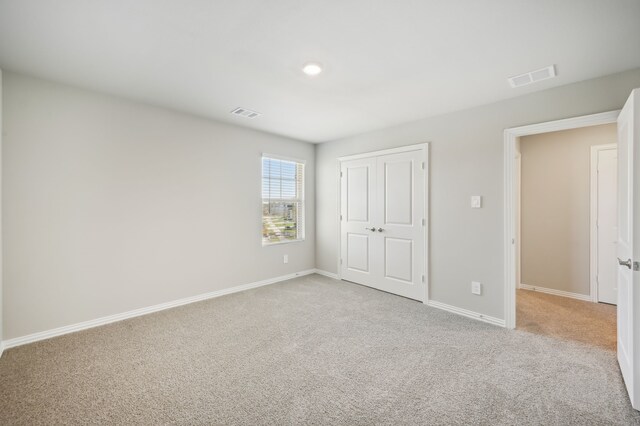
(584, 297)
(30, 338)
(326, 273)
(466, 313)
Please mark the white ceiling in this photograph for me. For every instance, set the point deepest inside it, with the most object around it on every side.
(387, 62)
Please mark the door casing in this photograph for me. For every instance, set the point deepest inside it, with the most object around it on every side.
(424, 148)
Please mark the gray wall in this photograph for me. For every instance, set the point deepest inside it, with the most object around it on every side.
(556, 187)
(112, 205)
(466, 159)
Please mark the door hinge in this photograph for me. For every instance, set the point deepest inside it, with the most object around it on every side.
(340, 174)
(423, 165)
(341, 261)
(424, 222)
(423, 278)
(340, 217)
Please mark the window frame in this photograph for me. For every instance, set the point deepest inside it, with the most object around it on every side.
(301, 200)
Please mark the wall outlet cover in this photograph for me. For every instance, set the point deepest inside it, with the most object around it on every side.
(285, 258)
(476, 201)
(476, 287)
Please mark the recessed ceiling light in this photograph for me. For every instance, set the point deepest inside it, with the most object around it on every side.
(312, 69)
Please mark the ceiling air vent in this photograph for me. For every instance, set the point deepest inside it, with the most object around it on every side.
(247, 113)
(532, 76)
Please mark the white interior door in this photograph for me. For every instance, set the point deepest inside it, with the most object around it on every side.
(628, 243)
(383, 222)
(357, 193)
(399, 247)
(606, 233)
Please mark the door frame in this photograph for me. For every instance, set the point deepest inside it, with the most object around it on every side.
(593, 217)
(424, 148)
(511, 193)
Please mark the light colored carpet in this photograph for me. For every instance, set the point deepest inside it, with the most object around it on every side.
(310, 351)
(569, 319)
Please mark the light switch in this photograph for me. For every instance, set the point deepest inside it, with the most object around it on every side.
(476, 287)
(476, 201)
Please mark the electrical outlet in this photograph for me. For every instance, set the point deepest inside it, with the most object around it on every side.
(476, 201)
(476, 288)
(285, 258)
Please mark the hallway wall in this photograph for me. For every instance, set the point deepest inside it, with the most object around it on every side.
(556, 173)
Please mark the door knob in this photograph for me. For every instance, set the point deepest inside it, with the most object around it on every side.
(371, 229)
(380, 229)
(626, 263)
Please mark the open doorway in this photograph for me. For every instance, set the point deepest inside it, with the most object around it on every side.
(566, 220)
(552, 271)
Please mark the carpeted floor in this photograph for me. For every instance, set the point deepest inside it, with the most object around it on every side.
(310, 351)
(568, 319)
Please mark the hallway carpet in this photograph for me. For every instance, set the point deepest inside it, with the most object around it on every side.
(568, 319)
(311, 350)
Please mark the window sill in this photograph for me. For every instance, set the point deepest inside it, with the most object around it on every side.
(279, 243)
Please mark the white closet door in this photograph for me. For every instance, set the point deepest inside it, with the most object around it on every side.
(357, 224)
(399, 247)
(382, 231)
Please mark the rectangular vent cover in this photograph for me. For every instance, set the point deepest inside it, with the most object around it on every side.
(247, 113)
(532, 76)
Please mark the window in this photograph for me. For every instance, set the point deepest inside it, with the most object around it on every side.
(282, 200)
